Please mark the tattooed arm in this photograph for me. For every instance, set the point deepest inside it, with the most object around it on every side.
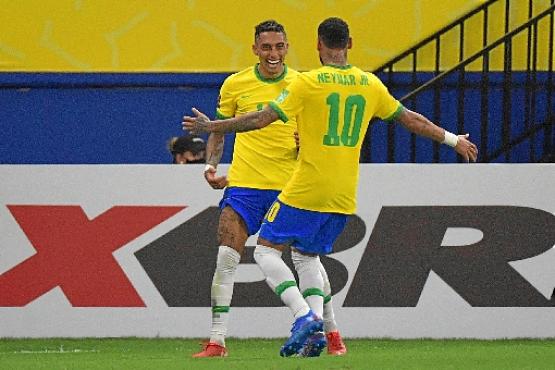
(214, 151)
(247, 122)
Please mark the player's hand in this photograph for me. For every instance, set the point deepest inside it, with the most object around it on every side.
(296, 135)
(466, 148)
(196, 125)
(216, 182)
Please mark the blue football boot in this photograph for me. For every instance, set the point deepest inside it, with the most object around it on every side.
(304, 327)
(314, 345)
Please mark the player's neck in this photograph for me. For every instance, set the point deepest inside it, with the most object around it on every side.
(262, 72)
(334, 57)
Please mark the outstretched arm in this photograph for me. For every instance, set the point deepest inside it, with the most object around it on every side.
(214, 151)
(420, 125)
(247, 122)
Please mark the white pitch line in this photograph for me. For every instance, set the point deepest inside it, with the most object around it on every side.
(61, 350)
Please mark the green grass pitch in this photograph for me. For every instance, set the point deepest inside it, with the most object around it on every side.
(137, 353)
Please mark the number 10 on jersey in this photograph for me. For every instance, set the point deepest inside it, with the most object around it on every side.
(353, 114)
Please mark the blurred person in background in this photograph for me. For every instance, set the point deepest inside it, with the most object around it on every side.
(187, 149)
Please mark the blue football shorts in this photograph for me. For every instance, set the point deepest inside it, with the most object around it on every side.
(307, 231)
(250, 204)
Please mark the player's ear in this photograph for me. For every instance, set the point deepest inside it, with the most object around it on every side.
(350, 43)
(319, 44)
(254, 49)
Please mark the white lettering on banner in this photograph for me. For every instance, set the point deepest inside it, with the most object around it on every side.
(465, 251)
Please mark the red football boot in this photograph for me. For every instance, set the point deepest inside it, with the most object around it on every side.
(336, 347)
(211, 349)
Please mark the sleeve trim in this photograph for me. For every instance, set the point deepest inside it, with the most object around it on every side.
(393, 116)
(281, 114)
(221, 116)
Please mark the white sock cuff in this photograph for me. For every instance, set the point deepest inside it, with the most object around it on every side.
(225, 251)
(277, 273)
(262, 250)
(226, 265)
(308, 269)
(298, 256)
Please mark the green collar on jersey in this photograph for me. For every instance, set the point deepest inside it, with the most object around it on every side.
(347, 66)
(270, 80)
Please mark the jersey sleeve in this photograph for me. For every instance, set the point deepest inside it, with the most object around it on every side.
(227, 104)
(290, 102)
(388, 108)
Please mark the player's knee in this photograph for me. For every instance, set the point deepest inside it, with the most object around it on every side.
(261, 253)
(305, 263)
(227, 260)
(232, 230)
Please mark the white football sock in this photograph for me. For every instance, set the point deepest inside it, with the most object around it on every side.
(329, 316)
(280, 279)
(311, 281)
(222, 291)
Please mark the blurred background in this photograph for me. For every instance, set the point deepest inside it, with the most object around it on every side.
(100, 82)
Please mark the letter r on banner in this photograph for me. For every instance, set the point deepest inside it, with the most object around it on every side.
(405, 246)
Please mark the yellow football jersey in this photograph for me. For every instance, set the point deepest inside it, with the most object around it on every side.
(333, 106)
(262, 159)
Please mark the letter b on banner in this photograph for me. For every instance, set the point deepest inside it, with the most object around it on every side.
(181, 264)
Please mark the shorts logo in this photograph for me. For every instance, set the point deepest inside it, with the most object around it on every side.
(273, 211)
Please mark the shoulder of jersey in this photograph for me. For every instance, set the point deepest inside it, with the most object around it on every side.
(292, 72)
(371, 76)
(240, 73)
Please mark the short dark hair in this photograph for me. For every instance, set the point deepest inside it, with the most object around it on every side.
(334, 33)
(186, 143)
(268, 26)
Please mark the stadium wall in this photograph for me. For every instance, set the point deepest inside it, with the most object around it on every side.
(202, 36)
(105, 83)
(114, 118)
(216, 35)
(437, 251)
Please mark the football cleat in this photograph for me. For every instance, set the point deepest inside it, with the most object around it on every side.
(314, 345)
(336, 347)
(211, 349)
(303, 328)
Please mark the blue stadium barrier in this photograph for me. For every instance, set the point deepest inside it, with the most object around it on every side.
(123, 118)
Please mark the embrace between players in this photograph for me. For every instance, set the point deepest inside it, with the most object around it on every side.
(296, 192)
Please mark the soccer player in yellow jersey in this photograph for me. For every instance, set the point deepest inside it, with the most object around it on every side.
(262, 163)
(333, 105)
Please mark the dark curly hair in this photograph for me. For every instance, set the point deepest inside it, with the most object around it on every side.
(268, 26)
(334, 33)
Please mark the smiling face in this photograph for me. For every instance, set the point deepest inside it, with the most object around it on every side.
(271, 48)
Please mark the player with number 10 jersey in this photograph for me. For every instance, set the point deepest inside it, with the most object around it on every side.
(326, 177)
